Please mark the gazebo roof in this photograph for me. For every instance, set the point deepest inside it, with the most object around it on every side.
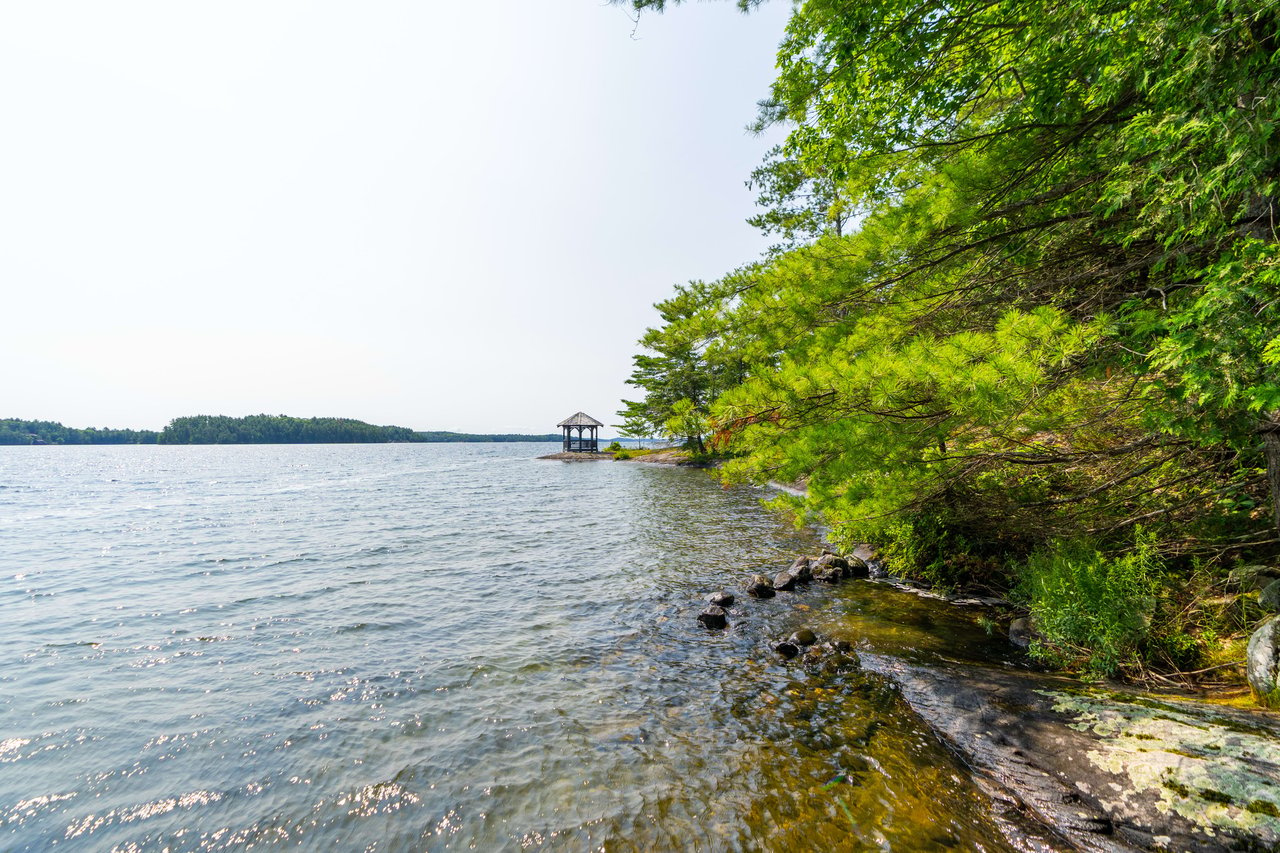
(579, 419)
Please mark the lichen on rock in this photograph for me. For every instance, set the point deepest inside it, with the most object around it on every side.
(1218, 773)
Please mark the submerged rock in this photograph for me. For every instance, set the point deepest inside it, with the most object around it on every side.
(721, 598)
(1263, 662)
(713, 617)
(784, 581)
(760, 587)
(1110, 770)
(804, 637)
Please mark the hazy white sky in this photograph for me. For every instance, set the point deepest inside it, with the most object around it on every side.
(442, 215)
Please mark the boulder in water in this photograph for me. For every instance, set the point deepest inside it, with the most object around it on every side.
(721, 598)
(713, 617)
(760, 587)
(856, 567)
(784, 581)
(786, 648)
(1263, 662)
(828, 574)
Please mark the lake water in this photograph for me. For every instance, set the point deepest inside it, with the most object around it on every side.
(435, 647)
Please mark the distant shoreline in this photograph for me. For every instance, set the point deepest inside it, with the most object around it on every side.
(252, 429)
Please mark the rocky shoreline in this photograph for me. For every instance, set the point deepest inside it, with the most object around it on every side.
(1094, 768)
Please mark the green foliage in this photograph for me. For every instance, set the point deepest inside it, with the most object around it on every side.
(940, 553)
(15, 431)
(1092, 611)
(1057, 318)
(278, 429)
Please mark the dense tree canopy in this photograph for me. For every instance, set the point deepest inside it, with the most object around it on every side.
(1028, 285)
(278, 429)
(15, 431)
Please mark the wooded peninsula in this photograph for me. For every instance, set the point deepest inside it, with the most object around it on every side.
(253, 429)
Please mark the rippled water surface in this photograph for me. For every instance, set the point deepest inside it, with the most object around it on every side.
(431, 647)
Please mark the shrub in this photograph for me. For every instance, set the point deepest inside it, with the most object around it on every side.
(939, 553)
(1093, 612)
(614, 448)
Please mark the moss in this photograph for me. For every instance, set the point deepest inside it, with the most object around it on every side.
(1264, 807)
(1215, 796)
(1269, 699)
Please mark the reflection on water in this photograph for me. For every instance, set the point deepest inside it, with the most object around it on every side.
(440, 647)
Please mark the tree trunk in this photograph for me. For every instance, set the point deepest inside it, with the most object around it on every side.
(1271, 450)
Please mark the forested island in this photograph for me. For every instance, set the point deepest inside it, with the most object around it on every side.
(1021, 324)
(253, 429)
(15, 431)
(278, 429)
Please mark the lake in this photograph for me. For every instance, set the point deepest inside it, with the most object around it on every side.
(436, 647)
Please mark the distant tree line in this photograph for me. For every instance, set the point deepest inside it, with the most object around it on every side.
(466, 436)
(254, 429)
(278, 429)
(16, 431)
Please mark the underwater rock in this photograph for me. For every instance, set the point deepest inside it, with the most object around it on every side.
(804, 637)
(1110, 769)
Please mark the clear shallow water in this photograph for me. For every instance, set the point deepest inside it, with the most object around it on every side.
(412, 647)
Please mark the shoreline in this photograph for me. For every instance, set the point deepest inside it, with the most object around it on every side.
(1097, 767)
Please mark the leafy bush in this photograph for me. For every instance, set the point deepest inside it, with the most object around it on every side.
(1093, 612)
(614, 447)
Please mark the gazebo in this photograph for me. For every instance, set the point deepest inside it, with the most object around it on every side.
(580, 421)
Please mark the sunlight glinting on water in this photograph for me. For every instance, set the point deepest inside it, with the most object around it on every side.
(405, 647)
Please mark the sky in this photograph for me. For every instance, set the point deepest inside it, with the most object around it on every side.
(441, 215)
